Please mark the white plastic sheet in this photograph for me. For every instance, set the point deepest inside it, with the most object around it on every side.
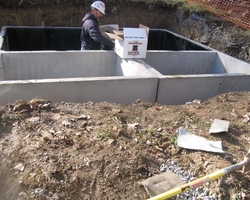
(219, 126)
(190, 141)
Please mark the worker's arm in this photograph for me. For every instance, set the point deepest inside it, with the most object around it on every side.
(96, 35)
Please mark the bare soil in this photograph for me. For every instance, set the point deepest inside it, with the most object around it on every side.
(103, 150)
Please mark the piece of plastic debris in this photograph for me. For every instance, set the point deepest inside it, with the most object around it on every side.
(197, 101)
(20, 167)
(133, 126)
(247, 117)
(39, 191)
(159, 129)
(66, 123)
(190, 141)
(219, 126)
(22, 194)
(110, 141)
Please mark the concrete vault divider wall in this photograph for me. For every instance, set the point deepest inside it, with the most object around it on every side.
(74, 76)
(166, 77)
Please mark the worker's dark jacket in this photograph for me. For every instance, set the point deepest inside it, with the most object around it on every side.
(91, 37)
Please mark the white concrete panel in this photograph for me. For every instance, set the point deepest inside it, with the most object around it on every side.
(118, 69)
(182, 62)
(150, 69)
(112, 89)
(232, 65)
(133, 67)
(181, 89)
(65, 64)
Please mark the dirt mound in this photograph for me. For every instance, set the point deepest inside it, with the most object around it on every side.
(102, 150)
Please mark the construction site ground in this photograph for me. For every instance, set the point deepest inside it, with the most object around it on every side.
(103, 150)
(69, 150)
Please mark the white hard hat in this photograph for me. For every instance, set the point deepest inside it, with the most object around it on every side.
(99, 5)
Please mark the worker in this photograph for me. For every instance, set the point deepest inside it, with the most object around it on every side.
(91, 36)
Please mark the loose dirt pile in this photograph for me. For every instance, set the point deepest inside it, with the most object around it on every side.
(103, 150)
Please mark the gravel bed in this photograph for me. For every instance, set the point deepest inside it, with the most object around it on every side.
(199, 193)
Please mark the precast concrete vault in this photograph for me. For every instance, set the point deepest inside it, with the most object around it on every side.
(45, 62)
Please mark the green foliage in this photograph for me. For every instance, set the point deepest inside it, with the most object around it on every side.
(182, 4)
(104, 134)
(142, 132)
(192, 8)
(138, 119)
(151, 131)
(9, 119)
(173, 138)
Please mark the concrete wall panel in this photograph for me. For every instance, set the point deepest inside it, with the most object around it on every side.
(134, 67)
(231, 64)
(113, 89)
(181, 89)
(182, 62)
(66, 64)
